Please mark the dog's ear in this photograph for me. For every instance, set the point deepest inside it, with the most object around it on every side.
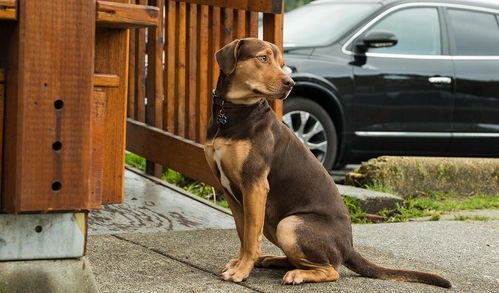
(227, 56)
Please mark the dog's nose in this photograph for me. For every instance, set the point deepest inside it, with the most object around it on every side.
(287, 82)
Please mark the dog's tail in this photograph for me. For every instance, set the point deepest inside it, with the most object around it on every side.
(362, 266)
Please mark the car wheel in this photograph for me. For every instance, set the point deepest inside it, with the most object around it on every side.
(313, 127)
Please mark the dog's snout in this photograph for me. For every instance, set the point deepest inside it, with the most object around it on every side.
(287, 82)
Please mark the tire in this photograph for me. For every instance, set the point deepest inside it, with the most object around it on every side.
(299, 110)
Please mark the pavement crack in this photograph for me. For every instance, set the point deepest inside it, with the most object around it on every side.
(181, 261)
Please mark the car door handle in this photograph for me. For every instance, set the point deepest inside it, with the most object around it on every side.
(440, 79)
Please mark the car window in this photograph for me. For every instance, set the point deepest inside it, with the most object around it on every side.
(321, 24)
(475, 33)
(417, 31)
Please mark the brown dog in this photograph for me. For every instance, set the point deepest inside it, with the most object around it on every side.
(273, 184)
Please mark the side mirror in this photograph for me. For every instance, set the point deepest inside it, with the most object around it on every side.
(376, 39)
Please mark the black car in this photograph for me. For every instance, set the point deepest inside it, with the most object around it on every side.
(394, 78)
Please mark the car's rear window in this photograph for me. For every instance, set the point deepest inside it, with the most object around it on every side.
(475, 33)
(321, 24)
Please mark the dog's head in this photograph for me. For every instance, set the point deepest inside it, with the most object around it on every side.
(254, 69)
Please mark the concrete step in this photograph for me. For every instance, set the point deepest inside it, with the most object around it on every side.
(370, 201)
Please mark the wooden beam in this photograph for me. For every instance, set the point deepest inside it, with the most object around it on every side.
(2, 75)
(269, 6)
(109, 14)
(123, 15)
(48, 108)
(98, 139)
(8, 10)
(176, 152)
(114, 42)
(154, 81)
(105, 80)
(272, 32)
(2, 107)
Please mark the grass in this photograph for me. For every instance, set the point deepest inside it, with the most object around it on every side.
(195, 187)
(380, 188)
(135, 161)
(356, 214)
(436, 203)
(472, 218)
(433, 204)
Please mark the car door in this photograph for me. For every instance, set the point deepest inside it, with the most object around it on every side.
(403, 97)
(474, 43)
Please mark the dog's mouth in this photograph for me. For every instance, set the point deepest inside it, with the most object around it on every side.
(255, 91)
(279, 95)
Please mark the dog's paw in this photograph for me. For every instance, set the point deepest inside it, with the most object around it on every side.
(293, 277)
(234, 275)
(238, 273)
(231, 264)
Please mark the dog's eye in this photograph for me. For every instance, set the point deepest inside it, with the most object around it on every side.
(263, 58)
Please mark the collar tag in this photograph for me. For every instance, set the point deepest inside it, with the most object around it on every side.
(221, 117)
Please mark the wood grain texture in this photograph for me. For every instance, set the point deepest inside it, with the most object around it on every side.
(140, 75)
(98, 139)
(2, 75)
(192, 77)
(132, 55)
(268, 6)
(228, 26)
(111, 47)
(215, 44)
(58, 66)
(158, 146)
(181, 69)
(154, 84)
(2, 107)
(170, 74)
(252, 24)
(124, 15)
(8, 10)
(106, 80)
(272, 32)
(240, 24)
(203, 74)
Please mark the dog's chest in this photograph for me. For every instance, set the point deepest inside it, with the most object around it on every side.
(228, 157)
(224, 180)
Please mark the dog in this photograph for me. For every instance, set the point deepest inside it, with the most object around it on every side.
(272, 183)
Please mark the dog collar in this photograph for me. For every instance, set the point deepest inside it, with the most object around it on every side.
(221, 117)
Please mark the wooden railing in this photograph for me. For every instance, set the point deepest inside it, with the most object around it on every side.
(63, 90)
(63, 96)
(168, 128)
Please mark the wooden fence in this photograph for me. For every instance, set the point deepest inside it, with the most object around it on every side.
(168, 127)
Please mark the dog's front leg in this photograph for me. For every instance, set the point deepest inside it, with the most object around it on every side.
(237, 212)
(254, 200)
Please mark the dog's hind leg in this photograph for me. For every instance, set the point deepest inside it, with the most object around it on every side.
(267, 261)
(311, 258)
(318, 274)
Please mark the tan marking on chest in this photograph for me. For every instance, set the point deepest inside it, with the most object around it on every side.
(228, 157)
